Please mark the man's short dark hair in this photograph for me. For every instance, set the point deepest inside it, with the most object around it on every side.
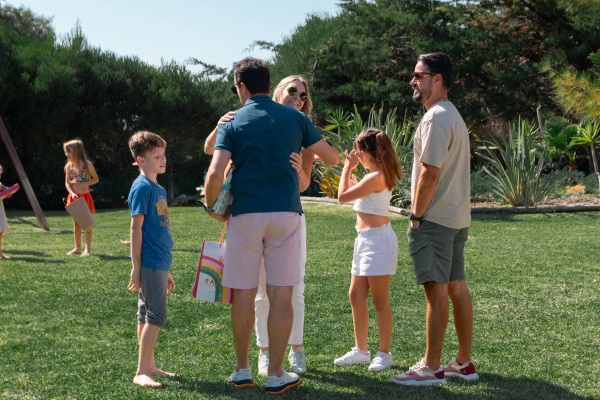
(438, 63)
(254, 74)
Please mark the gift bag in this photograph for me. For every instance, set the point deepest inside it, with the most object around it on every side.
(81, 213)
(225, 198)
(210, 271)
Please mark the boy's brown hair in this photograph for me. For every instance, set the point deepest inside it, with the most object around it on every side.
(142, 142)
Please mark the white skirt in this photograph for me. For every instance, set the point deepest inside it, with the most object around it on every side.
(375, 252)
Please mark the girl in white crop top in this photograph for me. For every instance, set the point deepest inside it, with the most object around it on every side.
(376, 247)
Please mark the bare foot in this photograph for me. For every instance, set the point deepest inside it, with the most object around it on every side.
(158, 372)
(126, 243)
(74, 251)
(146, 381)
(3, 255)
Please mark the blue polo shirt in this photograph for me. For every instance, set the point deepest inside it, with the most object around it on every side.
(261, 137)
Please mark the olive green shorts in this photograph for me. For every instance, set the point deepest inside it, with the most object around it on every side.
(437, 252)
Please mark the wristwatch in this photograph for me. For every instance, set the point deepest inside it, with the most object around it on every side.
(208, 209)
(413, 217)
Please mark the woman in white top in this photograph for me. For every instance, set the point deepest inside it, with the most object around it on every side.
(376, 247)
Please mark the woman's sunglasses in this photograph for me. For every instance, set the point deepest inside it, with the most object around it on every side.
(292, 91)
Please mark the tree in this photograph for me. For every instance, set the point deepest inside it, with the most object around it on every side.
(589, 134)
(577, 92)
(366, 54)
(56, 90)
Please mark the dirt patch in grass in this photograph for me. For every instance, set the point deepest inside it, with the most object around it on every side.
(570, 200)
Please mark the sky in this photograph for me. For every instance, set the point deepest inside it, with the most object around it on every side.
(213, 31)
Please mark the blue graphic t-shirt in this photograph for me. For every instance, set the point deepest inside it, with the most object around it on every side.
(150, 199)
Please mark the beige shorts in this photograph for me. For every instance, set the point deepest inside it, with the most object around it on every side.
(250, 237)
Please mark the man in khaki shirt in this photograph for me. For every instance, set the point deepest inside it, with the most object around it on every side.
(439, 222)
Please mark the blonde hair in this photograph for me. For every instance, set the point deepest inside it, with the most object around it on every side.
(278, 92)
(75, 147)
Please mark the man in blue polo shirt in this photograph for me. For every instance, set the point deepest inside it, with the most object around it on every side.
(265, 214)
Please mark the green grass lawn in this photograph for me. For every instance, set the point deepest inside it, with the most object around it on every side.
(68, 325)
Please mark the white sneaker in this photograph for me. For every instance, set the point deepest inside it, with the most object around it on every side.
(297, 361)
(242, 378)
(381, 361)
(286, 381)
(354, 356)
(263, 363)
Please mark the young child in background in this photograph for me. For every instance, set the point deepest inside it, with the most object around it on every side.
(151, 245)
(376, 247)
(79, 176)
(3, 221)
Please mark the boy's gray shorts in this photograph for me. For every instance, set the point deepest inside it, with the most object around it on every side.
(437, 252)
(152, 299)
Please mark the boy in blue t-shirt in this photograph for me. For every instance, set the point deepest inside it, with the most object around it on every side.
(151, 245)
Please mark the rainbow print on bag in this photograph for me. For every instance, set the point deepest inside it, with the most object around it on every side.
(210, 272)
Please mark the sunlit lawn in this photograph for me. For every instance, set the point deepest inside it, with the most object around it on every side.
(67, 325)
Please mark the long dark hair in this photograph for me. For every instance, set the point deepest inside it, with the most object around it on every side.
(380, 147)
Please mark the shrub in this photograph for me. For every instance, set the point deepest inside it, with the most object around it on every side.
(342, 131)
(518, 168)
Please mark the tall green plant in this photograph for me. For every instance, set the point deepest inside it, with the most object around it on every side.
(343, 130)
(558, 135)
(517, 168)
(589, 134)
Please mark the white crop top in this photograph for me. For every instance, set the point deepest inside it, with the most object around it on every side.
(374, 203)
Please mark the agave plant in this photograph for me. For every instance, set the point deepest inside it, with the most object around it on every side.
(343, 130)
(589, 134)
(517, 168)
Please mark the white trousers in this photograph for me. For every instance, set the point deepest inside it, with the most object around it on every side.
(262, 305)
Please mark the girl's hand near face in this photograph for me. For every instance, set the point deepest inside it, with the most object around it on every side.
(351, 160)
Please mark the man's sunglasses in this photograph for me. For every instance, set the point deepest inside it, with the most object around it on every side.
(234, 89)
(420, 75)
(292, 91)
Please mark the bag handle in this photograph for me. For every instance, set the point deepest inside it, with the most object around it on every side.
(223, 234)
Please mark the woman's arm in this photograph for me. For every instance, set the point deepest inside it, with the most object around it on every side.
(298, 163)
(209, 144)
(307, 161)
(211, 140)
